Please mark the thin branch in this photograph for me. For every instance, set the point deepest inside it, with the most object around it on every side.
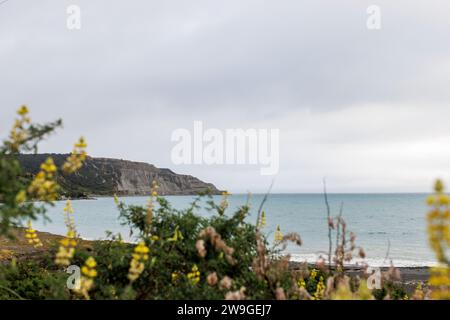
(330, 242)
(339, 218)
(262, 205)
(387, 251)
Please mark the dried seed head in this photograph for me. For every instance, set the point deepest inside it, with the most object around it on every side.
(362, 254)
(279, 294)
(200, 246)
(212, 279)
(236, 295)
(226, 283)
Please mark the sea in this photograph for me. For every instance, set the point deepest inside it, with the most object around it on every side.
(391, 228)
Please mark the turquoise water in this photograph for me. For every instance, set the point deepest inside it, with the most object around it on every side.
(376, 219)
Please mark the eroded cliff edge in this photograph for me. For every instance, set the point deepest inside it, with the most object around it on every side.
(105, 177)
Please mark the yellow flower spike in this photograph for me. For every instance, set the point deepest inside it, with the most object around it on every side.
(69, 220)
(65, 242)
(81, 144)
(76, 158)
(444, 200)
(142, 248)
(439, 186)
(150, 205)
(194, 275)
(91, 263)
(44, 186)
(278, 234)
(224, 203)
(137, 266)
(19, 132)
(48, 166)
(32, 236)
(87, 279)
(431, 200)
(320, 289)
(23, 110)
(438, 228)
(262, 221)
(175, 277)
(301, 283)
(68, 208)
(21, 197)
(176, 236)
(66, 250)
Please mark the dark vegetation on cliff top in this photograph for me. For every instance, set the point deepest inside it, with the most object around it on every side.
(106, 177)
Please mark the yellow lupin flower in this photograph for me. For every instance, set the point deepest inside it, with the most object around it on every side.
(23, 111)
(313, 274)
(194, 275)
(76, 158)
(81, 144)
(49, 166)
(444, 200)
(32, 237)
(301, 283)
(224, 203)
(440, 282)
(439, 186)
(137, 266)
(262, 221)
(21, 197)
(278, 234)
(177, 235)
(320, 289)
(44, 186)
(439, 237)
(175, 277)
(66, 249)
(19, 133)
(88, 273)
(151, 204)
(68, 217)
(116, 200)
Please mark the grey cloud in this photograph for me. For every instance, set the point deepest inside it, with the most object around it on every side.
(136, 71)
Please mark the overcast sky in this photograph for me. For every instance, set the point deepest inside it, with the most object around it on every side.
(367, 109)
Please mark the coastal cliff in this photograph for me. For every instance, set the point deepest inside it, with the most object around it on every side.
(104, 177)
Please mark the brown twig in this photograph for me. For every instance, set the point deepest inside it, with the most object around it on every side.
(262, 205)
(330, 241)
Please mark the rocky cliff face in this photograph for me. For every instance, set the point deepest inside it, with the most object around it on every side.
(102, 176)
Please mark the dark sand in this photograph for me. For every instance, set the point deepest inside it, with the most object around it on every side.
(410, 277)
